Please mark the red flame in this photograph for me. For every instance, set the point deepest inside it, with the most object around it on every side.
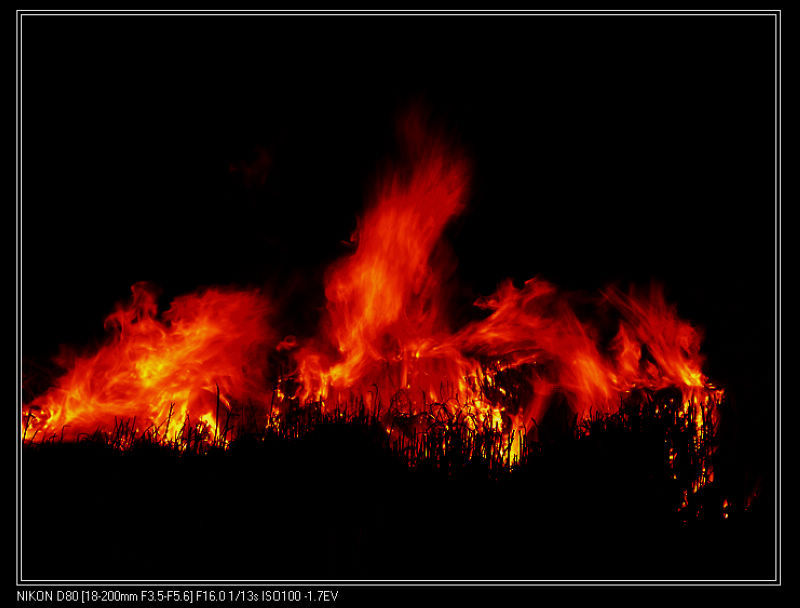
(384, 301)
(387, 331)
(207, 344)
(387, 320)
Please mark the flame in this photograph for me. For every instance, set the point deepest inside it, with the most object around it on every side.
(388, 336)
(206, 350)
(387, 332)
(384, 302)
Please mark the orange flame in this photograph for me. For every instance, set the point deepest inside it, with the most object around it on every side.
(155, 370)
(384, 301)
(387, 332)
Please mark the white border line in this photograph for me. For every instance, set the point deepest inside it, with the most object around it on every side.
(775, 14)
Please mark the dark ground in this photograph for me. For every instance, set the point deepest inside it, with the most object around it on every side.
(338, 505)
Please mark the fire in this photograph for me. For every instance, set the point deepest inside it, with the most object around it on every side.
(207, 349)
(385, 308)
(531, 329)
(387, 329)
(388, 337)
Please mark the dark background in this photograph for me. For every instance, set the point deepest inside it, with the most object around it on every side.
(195, 151)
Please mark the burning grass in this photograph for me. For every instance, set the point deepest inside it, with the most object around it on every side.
(439, 439)
(510, 397)
(313, 492)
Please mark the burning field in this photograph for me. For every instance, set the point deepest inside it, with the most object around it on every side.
(386, 335)
(497, 397)
(496, 307)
